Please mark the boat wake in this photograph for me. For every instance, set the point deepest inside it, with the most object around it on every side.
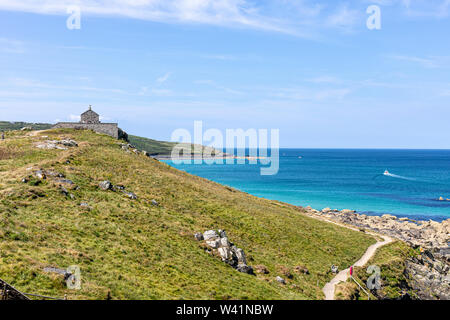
(388, 174)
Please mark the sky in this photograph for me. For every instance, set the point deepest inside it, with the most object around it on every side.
(312, 69)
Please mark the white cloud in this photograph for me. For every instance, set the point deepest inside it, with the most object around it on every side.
(311, 94)
(344, 18)
(11, 46)
(325, 79)
(303, 18)
(237, 13)
(161, 92)
(419, 8)
(146, 91)
(445, 92)
(164, 78)
(31, 83)
(218, 87)
(73, 117)
(225, 57)
(428, 62)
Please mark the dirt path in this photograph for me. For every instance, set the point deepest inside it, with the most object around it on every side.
(329, 288)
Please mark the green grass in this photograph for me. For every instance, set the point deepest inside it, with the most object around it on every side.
(391, 260)
(162, 148)
(153, 147)
(139, 251)
(7, 125)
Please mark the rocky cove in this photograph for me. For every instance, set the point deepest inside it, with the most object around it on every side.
(428, 272)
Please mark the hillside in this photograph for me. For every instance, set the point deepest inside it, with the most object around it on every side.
(153, 147)
(8, 126)
(135, 249)
(394, 280)
(164, 148)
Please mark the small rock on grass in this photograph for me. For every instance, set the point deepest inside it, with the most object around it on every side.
(39, 174)
(301, 269)
(280, 280)
(105, 185)
(261, 269)
(130, 195)
(198, 236)
(65, 181)
(245, 269)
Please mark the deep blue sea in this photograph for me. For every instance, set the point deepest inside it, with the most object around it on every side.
(348, 179)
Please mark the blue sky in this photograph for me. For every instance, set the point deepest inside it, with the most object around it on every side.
(309, 68)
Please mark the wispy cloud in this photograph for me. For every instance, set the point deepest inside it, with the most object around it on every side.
(74, 117)
(237, 13)
(31, 83)
(163, 78)
(214, 85)
(419, 8)
(324, 79)
(311, 94)
(427, 62)
(225, 57)
(344, 18)
(303, 18)
(11, 46)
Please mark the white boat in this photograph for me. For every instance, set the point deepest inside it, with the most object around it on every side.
(386, 173)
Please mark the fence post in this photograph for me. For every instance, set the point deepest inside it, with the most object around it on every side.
(368, 294)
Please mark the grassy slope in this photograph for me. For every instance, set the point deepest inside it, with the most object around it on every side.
(151, 146)
(391, 260)
(155, 147)
(139, 251)
(7, 126)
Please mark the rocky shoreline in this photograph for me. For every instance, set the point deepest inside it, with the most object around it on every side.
(428, 273)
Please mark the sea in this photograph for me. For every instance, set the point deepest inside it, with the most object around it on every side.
(347, 179)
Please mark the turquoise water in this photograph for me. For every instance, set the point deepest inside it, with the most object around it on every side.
(348, 179)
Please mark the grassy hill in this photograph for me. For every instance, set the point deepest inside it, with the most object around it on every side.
(7, 126)
(136, 250)
(164, 148)
(154, 147)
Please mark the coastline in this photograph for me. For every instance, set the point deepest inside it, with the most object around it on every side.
(218, 157)
(417, 233)
(428, 271)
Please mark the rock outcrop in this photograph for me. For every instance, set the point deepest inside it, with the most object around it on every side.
(57, 144)
(217, 241)
(429, 274)
(426, 234)
(107, 185)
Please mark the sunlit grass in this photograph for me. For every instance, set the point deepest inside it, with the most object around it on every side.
(136, 250)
